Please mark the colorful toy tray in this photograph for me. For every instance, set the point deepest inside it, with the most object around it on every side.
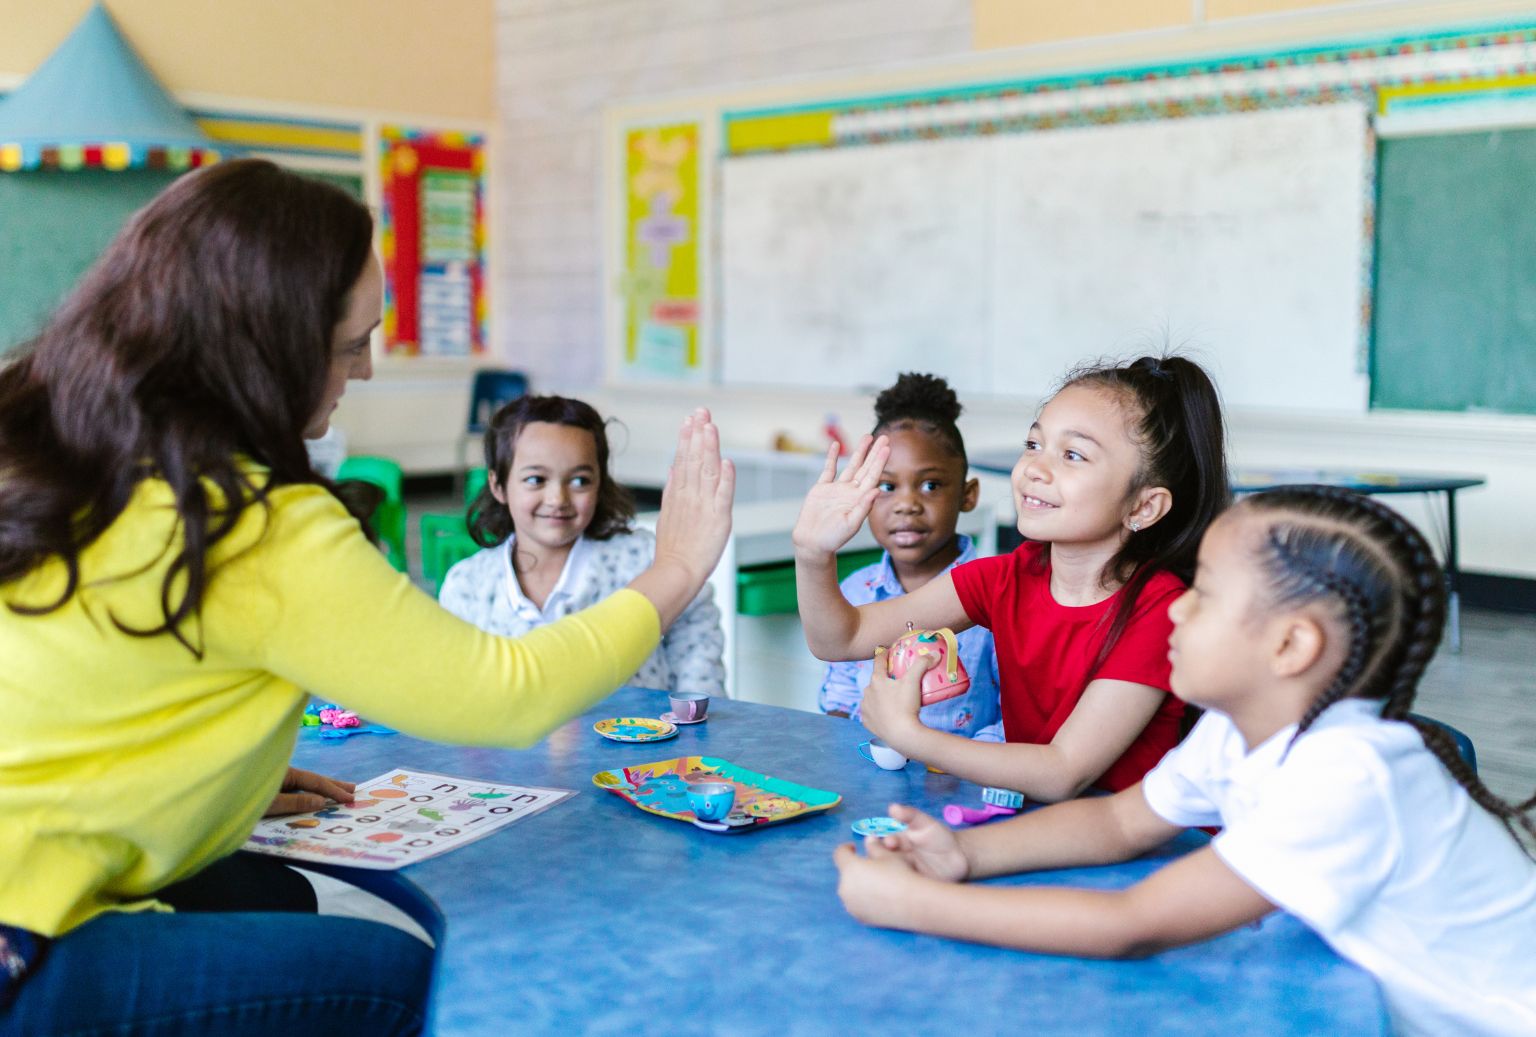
(662, 788)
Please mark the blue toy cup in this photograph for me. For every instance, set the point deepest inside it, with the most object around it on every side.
(711, 800)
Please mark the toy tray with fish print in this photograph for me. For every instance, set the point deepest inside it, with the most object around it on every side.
(662, 788)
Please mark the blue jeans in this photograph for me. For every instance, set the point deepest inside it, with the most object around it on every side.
(226, 972)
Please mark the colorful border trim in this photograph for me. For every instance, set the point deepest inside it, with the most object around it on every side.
(113, 155)
(1383, 72)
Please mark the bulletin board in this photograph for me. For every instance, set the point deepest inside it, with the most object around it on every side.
(432, 236)
(999, 230)
(662, 252)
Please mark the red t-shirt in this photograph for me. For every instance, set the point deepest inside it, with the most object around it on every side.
(1045, 650)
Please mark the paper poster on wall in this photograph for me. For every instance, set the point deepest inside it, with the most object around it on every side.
(661, 252)
(399, 818)
(433, 239)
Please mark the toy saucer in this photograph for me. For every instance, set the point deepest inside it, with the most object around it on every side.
(672, 718)
(878, 826)
(635, 729)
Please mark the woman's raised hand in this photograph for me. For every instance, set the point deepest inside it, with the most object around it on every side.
(838, 504)
(695, 519)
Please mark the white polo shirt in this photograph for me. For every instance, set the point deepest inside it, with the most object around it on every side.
(1364, 836)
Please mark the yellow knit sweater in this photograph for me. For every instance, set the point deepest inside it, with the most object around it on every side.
(126, 763)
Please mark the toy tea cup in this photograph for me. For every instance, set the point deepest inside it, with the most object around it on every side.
(689, 706)
(944, 680)
(882, 755)
(711, 800)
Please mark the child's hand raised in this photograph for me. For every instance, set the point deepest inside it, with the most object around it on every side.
(838, 504)
(890, 705)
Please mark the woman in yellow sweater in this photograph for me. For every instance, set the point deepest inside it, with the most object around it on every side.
(173, 571)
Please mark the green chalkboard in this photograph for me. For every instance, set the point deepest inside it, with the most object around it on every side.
(54, 224)
(1455, 307)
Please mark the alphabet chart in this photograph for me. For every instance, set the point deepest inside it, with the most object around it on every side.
(399, 818)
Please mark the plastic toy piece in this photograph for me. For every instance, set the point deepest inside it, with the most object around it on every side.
(999, 803)
(339, 717)
(332, 734)
(940, 682)
(1002, 797)
(954, 814)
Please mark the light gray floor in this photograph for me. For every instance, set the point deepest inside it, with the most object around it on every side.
(1489, 692)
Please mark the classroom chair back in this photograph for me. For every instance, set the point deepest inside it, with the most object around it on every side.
(1463, 743)
(445, 541)
(388, 519)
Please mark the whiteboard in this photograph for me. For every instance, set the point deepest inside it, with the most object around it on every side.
(1003, 261)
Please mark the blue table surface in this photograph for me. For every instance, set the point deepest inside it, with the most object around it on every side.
(595, 917)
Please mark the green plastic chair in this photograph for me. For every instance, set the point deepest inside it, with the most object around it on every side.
(388, 519)
(474, 482)
(445, 541)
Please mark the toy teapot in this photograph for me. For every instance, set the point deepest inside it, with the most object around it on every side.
(940, 682)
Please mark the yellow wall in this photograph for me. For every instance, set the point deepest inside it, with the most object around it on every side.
(430, 57)
(1017, 23)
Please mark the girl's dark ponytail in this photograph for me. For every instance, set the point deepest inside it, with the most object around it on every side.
(1182, 435)
(1326, 543)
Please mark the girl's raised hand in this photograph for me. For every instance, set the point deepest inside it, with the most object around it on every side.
(838, 504)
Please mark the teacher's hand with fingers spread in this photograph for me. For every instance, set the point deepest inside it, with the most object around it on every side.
(838, 504)
(695, 519)
(890, 704)
(306, 790)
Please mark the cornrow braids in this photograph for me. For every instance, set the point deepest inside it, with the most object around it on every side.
(1328, 543)
(1364, 634)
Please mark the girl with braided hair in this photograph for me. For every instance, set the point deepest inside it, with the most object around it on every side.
(1313, 614)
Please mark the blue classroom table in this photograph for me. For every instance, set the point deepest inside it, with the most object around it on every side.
(594, 917)
(1255, 480)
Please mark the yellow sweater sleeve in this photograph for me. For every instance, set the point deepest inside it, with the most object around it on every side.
(311, 601)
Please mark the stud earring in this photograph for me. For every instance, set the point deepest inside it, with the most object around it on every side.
(1135, 527)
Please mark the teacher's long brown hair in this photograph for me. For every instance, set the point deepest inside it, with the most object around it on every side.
(200, 337)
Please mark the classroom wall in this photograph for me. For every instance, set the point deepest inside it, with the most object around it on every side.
(407, 56)
(561, 62)
(1024, 23)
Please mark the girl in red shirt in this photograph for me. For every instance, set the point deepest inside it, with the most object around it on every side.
(1122, 471)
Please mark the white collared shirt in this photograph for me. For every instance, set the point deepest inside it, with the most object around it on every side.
(483, 590)
(559, 602)
(1359, 831)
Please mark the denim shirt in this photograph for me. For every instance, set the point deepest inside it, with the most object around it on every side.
(976, 714)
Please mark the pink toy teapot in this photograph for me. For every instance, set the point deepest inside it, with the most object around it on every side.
(940, 682)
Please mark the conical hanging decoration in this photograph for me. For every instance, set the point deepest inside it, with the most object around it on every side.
(93, 104)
